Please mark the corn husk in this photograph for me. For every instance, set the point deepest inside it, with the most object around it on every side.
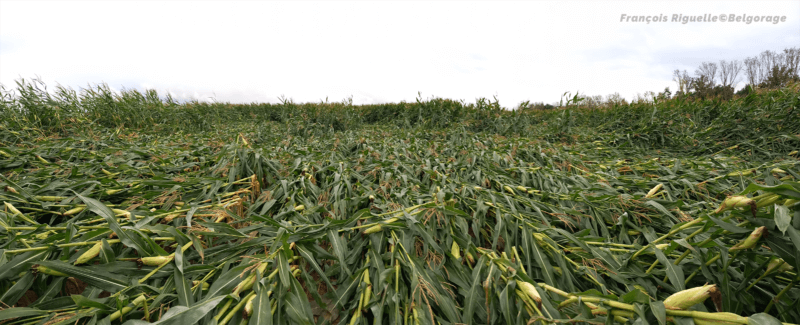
(373, 229)
(768, 200)
(73, 211)
(155, 260)
(455, 250)
(248, 307)
(654, 190)
(530, 291)
(728, 319)
(690, 297)
(751, 240)
(736, 201)
(89, 254)
(741, 173)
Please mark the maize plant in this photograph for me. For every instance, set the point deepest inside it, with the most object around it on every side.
(126, 209)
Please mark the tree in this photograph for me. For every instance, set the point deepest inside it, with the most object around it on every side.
(707, 70)
(779, 77)
(751, 71)
(729, 72)
(683, 80)
(766, 62)
(792, 59)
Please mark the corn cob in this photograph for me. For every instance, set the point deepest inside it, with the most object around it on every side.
(531, 292)
(751, 240)
(156, 260)
(42, 160)
(49, 198)
(373, 229)
(777, 265)
(250, 280)
(690, 297)
(248, 307)
(768, 200)
(741, 173)
(455, 250)
(73, 211)
(17, 213)
(736, 201)
(730, 319)
(89, 254)
(654, 190)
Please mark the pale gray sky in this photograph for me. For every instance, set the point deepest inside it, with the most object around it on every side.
(256, 51)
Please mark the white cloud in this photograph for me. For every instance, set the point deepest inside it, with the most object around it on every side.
(376, 51)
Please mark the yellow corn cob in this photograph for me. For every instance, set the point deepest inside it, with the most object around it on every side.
(248, 307)
(89, 254)
(120, 213)
(530, 291)
(455, 250)
(12, 209)
(508, 189)
(299, 208)
(690, 297)
(654, 190)
(751, 240)
(44, 235)
(42, 160)
(736, 201)
(368, 290)
(17, 213)
(729, 319)
(768, 200)
(50, 198)
(73, 211)
(250, 280)
(112, 192)
(373, 229)
(741, 173)
(156, 260)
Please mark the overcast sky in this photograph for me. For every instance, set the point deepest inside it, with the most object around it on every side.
(377, 51)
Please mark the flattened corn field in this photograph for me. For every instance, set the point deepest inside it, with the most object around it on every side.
(130, 208)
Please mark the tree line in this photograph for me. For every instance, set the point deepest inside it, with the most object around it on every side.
(769, 69)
